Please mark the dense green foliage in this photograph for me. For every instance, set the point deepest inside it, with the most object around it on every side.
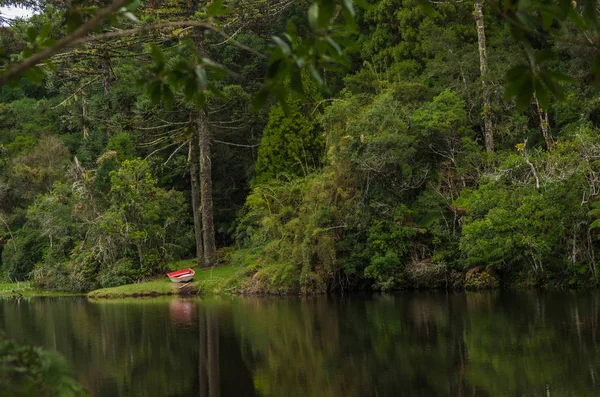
(289, 145)
(27, 371)
(380, 176)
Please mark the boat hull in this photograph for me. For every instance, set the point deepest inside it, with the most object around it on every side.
(181, 276)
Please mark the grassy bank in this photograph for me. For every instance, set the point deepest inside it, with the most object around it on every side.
(25, 288)
(214, 280)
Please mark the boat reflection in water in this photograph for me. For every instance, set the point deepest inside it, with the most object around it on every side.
(183, 312)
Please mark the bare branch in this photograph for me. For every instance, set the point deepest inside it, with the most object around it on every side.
(75, 93)
(175, 151)
(234, 144)
(173, 24)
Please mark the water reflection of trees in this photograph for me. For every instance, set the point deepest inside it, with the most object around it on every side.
(117, 349)
(427, 345)
(484, 344)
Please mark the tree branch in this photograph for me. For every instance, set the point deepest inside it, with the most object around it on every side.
(65, 42)
(235, 144)
(173, 24)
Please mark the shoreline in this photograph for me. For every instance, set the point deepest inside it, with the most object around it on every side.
(26, 289)
(218, 280)
(207, 281)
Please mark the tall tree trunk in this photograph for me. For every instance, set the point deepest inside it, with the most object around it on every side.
(483, 68)
(210, 250)
(195, 177)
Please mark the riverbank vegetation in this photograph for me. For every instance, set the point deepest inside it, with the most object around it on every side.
(423, 162)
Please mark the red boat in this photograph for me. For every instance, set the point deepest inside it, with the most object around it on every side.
(181, 276)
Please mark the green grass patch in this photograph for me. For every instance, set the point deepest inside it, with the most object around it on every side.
(11, 288)
(25, 288)
(149, 288)
(222, 279)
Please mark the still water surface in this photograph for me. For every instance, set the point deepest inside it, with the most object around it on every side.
(413, 344)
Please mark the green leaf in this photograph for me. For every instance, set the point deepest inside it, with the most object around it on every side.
(541, 94)
(326, 11)
(153, 91)
(550, 79)
(274, 68)
(575, 18)
(35, 75)
(50, 65)
(349, 7)
(216, 9)
(200, 99)
(558, 76)
(217, 92)
(525, 93)
(296, 82)
(168, 96)
(316, 75)
(189, 90)
(48, 42)
(594, 212)
(261, 97)
(285, 48)
(515, 78)
(132, 5)
(313, 15)
(595, 224)
(31, 34)
(202, 76)
(519, 84)
(45, 31)
(547, 18)
(335, 45)
(544, 56)
(131, 16)
(363, 4)
(74, 20)
(158, 56)
(27, 52)
(211, 64)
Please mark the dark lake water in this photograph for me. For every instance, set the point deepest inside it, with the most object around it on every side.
(413, 344)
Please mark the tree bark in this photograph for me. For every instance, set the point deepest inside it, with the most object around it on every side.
(195, 177)
(210, 250)
(483, 68)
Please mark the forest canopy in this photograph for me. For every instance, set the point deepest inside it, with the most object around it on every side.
(320, 145)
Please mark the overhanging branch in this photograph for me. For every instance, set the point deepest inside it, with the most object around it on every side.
(65, 42)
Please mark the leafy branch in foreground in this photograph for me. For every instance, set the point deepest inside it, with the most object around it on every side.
(289, 56)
